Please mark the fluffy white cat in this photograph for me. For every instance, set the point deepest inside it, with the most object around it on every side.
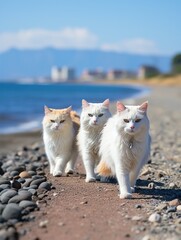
(125, 146)
(92, 120)
(60, 127)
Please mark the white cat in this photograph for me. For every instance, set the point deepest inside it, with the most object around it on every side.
(125, 146)
(60, 127)
(93, 118)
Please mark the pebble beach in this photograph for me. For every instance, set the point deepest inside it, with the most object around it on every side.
(29, 196)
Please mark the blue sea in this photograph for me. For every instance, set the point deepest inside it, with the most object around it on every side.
(22, 105)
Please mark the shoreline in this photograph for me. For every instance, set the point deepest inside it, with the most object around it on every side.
(34, 124)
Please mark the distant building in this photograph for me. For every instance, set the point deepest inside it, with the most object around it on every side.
(90, 75)
(120, 74)
(62, 74)
(147, 71)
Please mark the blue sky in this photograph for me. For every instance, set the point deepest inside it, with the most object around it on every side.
(136, 26)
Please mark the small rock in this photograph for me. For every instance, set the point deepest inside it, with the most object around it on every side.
(145, 172)
(161, 206)
(43, 224)
(174, 202)
(136, 218)
(12, 211)
(179, 208)
(155, 217)
(27, 204)
(84, 202)
(25, 174)
(45, 185)
(151, 185)
(171, 209)
(138, 206)
(15, 184)
(172, 185)
(5, 197)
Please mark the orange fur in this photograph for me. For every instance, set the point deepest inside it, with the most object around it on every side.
(103, 169)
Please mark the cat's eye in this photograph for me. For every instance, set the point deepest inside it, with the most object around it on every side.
(61, 121)
(90, 115)
(53, 121)
(126, 120)
(100, 115)
(137, 120)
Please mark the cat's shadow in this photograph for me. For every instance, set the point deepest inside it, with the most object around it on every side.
(158, 192)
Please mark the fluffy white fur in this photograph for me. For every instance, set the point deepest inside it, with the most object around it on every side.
(92, 120)
(59, 138)
(125, 146)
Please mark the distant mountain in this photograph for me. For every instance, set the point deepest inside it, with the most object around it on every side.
(38, 63)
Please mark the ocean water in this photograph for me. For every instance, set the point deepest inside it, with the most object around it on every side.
(22, 105)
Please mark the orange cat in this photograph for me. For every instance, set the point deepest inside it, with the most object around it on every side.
(60, 128)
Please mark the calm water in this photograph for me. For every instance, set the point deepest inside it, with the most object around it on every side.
(22, 105)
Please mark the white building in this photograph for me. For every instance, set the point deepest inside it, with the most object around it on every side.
(62, 74)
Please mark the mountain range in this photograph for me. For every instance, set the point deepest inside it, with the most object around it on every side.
(16, 63)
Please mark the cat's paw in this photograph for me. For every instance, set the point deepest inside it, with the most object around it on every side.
(132, 189)
(125, 195)
(90, 179)
(69, 171)
(57, 173)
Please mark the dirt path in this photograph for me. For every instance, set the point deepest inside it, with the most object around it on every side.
(93, 211)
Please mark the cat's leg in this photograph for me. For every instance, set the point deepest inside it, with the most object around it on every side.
(135, 172)
(71, 163)
(51, 162)
(123, 180)
(60, 163)
(89, 164)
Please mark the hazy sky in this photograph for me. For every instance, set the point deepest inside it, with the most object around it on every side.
(137, 26)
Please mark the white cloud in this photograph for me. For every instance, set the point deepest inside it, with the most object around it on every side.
(78, 38)
(137, 45)
(40, 38)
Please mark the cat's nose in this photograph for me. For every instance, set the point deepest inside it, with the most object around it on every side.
(132, 127)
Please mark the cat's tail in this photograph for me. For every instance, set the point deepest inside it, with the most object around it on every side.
(103, 170)
(75, 117)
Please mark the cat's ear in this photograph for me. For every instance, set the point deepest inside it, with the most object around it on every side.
(120, 107)
(47, 110)
(106, 103)
(143, 107)
(84, 103)
(69, 109)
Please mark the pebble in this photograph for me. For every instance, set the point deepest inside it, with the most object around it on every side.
(12, 211)
(174, 202)
(161, 206)
(155, 217)
(15, 184)
(43, 224)
(151, 185)
(28, 204)
(172, 185)
(136, 218)
(5, 197)
(45, 185)
(171, 209)
(179, 208)
(22, 195)
(25, 174)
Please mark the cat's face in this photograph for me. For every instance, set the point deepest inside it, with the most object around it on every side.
(56, 119)
(95, 114)
(132, 119)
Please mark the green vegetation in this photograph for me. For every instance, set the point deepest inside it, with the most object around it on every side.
(176, 64)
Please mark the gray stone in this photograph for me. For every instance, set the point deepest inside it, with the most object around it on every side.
(45, 185)
(12, 211)
(4, 186)
(22, 195)
(5, 197)
(38, 181)
(27, 204)
(2, 208)
(155, 217)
